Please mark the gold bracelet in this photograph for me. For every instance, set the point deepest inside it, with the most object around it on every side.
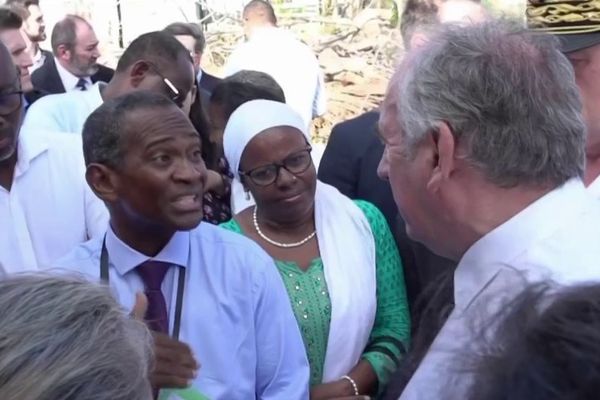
(353, 383)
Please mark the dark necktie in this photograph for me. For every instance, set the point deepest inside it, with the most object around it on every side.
(81, 84)
(153, 274)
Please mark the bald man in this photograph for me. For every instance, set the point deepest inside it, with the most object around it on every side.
(278, 53)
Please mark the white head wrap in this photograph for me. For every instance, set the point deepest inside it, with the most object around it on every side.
(247, 121)
(346, 242)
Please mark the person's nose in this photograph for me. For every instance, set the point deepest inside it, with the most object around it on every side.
(26, 61)
(189, 171)
(285, 178)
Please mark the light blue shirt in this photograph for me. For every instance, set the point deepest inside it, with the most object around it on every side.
(236, 314)
(64, 112)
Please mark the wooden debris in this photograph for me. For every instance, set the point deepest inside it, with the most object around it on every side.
(357, 56)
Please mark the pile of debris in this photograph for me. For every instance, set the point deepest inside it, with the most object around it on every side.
(357, 56)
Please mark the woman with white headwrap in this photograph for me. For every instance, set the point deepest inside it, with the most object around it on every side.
(336, 256)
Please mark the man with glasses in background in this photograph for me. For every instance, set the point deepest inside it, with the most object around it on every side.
(46, 207)
(155, 61)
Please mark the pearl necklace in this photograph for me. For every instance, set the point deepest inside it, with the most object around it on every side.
(278, 244)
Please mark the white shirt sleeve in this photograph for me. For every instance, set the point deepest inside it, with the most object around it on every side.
(235, 63)
(44, 116)
(320, 102)
(96, 214)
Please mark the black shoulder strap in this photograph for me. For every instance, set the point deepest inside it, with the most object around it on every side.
(104, 262)
(179, 303)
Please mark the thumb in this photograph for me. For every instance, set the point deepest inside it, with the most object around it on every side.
(140, 306)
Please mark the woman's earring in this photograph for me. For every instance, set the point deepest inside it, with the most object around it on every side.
(247, 195)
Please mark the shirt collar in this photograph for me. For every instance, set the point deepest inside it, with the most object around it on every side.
(125, 259)
(498, 248)
(69, 80)
(594, 188)
(94, 94)
(38, 57)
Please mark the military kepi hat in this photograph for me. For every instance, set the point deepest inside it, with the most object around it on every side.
(575, 22)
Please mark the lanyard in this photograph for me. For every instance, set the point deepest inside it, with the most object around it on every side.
(180, 287)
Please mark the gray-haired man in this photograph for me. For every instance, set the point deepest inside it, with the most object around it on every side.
(484, 175)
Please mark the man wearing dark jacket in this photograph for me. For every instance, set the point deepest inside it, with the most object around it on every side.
(350, 164)
(191, 37)
(74, 65)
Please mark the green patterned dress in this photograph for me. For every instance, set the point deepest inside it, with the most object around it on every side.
(312, 307)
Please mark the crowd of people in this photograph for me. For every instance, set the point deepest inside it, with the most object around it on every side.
(168, 234)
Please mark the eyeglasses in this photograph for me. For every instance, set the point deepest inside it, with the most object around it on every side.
(266, 175)
(12, 100)
(174, 93)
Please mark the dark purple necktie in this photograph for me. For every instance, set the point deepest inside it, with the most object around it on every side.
(152, 274)
(81, 84)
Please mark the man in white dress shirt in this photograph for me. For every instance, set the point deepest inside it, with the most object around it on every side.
(278, 53)
(75, 63)
(217, 293)
(484, 174)
(576, 25)
(46, 208)
(154, 61)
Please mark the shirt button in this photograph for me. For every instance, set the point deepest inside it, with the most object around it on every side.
(305, 316)
(297, 287)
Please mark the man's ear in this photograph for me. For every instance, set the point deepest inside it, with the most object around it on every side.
(103, 181)
(444, 147)
(138, 72)
(63, 52)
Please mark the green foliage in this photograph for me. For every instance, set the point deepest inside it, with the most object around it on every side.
(395, 19)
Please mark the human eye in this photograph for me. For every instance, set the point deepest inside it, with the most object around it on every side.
(295, 160)
(298, 160)
(577, 61)
(161, 159)
(196, 154)
(378, 133)
(263, 174)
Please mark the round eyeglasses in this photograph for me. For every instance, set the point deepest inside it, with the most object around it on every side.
(10, 102)
(296, 163)
(11, 98)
